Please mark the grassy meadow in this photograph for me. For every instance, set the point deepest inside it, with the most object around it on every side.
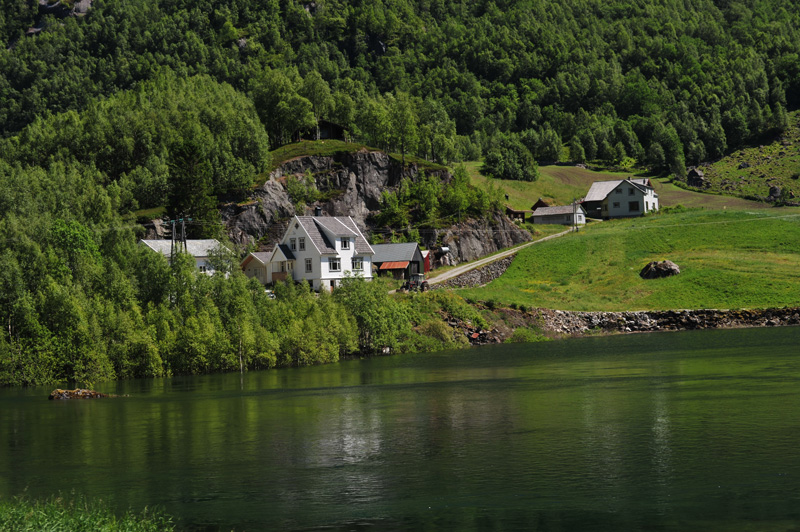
(559, 185)
(728, 259)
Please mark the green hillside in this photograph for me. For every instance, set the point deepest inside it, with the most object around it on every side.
(744, 259)
(752, 170)
(559, 185)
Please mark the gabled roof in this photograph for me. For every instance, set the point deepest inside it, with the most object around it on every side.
(319, 227)
(195, 248)
(362, 246)
(600, 189)
(282, 252)
(560, 209)
(262, 257)
(395, 252)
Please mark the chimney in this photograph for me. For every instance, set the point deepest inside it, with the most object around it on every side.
(318, 211)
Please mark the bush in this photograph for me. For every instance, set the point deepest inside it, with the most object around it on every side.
(527, 335)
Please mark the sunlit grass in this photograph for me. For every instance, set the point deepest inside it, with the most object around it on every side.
(76, 514)
(727, 260)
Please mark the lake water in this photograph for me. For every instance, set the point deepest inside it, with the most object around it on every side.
(670, 431)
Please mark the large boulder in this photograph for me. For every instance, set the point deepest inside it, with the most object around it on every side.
(658, 269)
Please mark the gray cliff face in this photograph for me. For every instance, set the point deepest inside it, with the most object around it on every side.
(252, 221)
(354, 182)
(472, 239)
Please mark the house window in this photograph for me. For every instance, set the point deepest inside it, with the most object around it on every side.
(618, 191)
(293, 244)
(631, 192)
(302, 243)
(633, 206)
(616, 205)
(334, 264)
(358, 263)
(345, 243)
(308, 265)
(289, 265)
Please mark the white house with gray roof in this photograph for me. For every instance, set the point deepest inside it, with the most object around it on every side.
(620, 198)
(561, 214)
(321, 250)
(200, 249)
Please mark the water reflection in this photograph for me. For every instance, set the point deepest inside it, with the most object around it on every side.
(630, 434)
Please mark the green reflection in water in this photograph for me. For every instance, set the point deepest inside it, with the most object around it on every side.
(670, 431)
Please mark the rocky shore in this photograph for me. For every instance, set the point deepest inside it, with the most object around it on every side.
(573, 323)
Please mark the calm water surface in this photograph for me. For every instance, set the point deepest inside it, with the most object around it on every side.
(672, 431)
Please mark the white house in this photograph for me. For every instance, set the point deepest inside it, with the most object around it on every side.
(321, 250)
(201, 250)
(257, 265)
(620, 198)
(562, 214)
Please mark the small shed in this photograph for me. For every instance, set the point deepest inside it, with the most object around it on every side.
(327, 130)
(426, 258)
(398, 260)
(516, 215)
(539, 203)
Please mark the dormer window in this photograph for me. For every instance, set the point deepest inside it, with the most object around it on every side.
(345, 243)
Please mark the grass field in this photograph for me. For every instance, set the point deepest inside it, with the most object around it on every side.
(728, 259)
(559, 185)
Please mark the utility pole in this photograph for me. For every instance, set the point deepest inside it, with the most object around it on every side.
(172, 243)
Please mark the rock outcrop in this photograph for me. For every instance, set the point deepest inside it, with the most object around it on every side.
(353, 184)
(78, 393)
(473, 239)
(659, 269)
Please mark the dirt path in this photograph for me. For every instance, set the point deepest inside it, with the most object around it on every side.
(464, 268)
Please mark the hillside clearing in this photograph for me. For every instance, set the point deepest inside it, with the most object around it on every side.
(559, 185)
(744, 259)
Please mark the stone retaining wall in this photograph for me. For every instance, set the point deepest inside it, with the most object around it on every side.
(478, 276)
(578, 323)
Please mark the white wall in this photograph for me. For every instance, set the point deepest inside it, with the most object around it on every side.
(617, 203)
(321, 274)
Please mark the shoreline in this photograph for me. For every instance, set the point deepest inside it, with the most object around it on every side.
(582, 323)
(559, 324)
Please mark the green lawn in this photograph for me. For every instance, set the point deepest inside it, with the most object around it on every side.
(728, 259)
(559, 185)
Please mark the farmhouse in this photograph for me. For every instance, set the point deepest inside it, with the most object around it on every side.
(399, 260)
(201, 250)
(620, 198)
(320, 250)
(563, 214)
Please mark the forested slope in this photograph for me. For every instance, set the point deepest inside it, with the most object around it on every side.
(661, 82)
(176, 103)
